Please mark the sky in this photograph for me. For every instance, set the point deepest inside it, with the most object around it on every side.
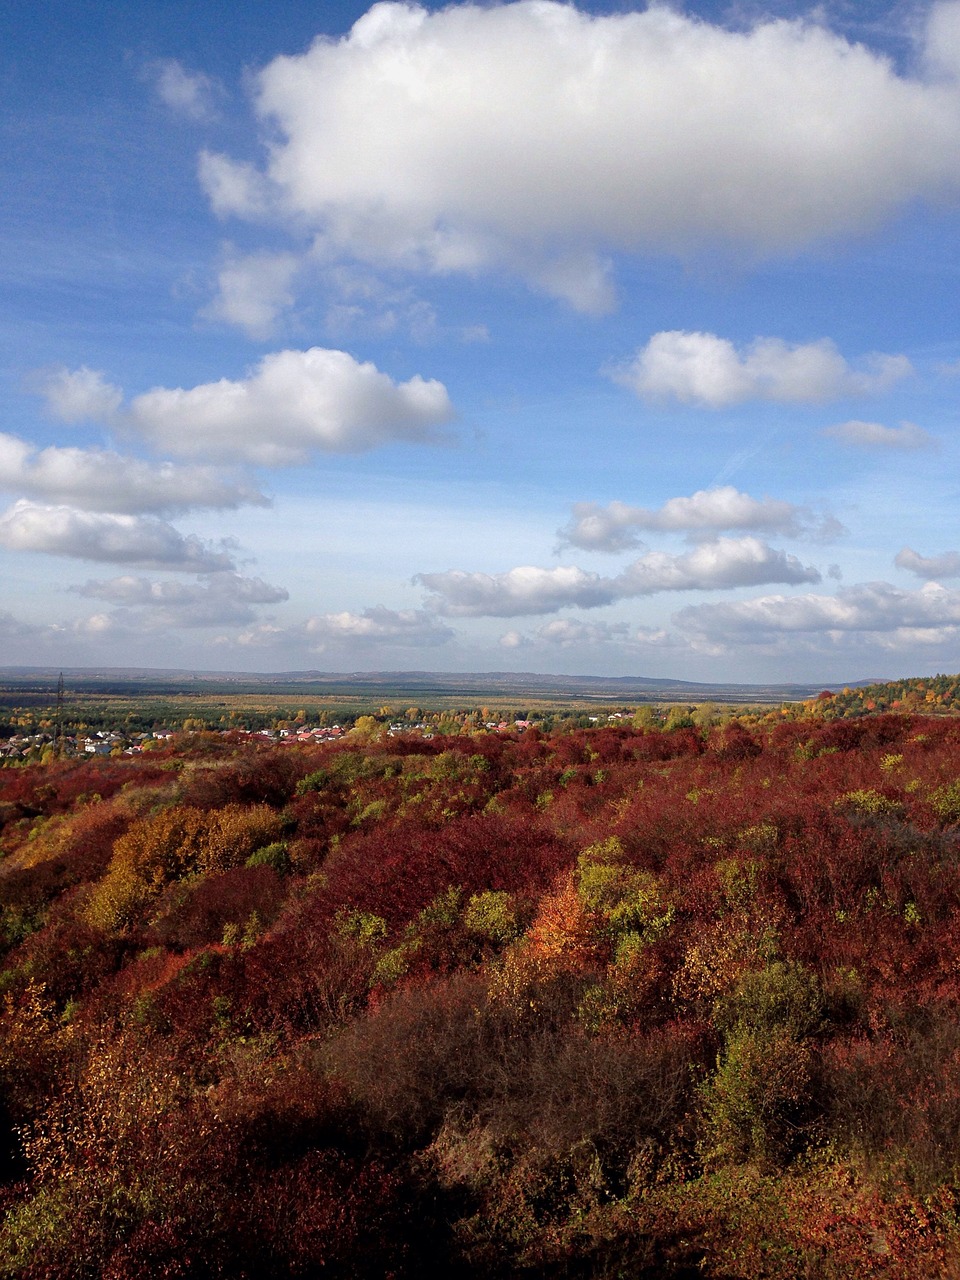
(599, 339)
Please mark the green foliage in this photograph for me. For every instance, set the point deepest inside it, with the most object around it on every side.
(870, 803)
(315, 781)
(754, 1103)
(274, 855)
(492, 916)
(945, 802)
(628, 900)
(363, 926)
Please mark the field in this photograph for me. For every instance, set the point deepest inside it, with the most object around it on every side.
(620, 1001)
(144, 699)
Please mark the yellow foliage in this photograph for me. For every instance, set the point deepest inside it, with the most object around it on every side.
(561, 928)
(559, 940)
(174, 843)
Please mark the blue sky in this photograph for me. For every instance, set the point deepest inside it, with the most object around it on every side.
(599, 339)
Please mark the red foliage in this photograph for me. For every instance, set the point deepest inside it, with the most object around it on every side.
(534, 1090)
(190, 916)
(396, 869)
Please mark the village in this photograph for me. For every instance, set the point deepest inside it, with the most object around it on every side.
(48, 743)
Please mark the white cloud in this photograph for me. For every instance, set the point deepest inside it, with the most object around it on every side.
(292, 403)
(219, 599)
(536, 138)
(702, 369)
(80, 395)
(101, 480)
(867, 607)
(513, 640)
(118, 539)
(946, 565)
(252, 291)
(942, 46)
(724, 563)
(706, 512)
(188, 93)
(233, 187)
(409, 628)
(874, 435)
(721, 564)
(525, 590)
(347, 632)
(569, 632)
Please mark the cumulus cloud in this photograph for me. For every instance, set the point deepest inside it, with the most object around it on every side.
(520, 591)
(867, 607)
(946, 565)
(874, 435)
(706, 512)
(117, 539)
(702, 369)
(566, 633)
(217, 600)
(188, 93)
(253, 290)
(412, 628)
(723, 563)
(101, 480)
(537, 138)
(79, 395)
(293, 402)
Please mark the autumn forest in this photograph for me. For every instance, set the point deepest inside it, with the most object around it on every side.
(631, 1000)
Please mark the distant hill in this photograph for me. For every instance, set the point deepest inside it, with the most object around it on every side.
(527, 685)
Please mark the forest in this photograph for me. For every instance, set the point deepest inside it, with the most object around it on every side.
(623, 1001)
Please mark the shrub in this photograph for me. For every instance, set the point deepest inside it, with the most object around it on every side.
(169, 845)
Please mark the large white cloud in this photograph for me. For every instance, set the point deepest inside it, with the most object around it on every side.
(867, 607)
(721, 564)
(534, 137)
(524, 590)
(702, 369)
(101, 480)
(292, 403)
(706, 512)
(115, 539)
(220, 599)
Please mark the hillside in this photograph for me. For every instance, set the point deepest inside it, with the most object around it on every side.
(615, 1001)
